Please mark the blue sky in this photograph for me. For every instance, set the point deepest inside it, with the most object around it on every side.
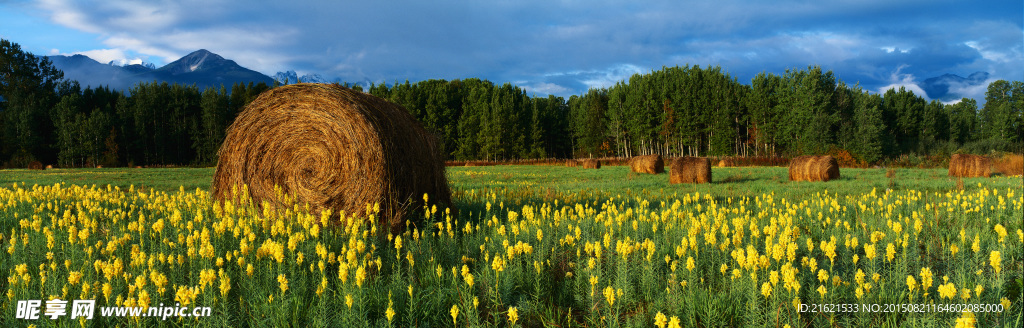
(556, 47)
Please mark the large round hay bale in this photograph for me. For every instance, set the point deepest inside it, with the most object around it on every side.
(813, 168)
(970, 166)
(572, 163)
(35, 165)
(650, 164)
(591, 163)
(332, 148)
(690, 170)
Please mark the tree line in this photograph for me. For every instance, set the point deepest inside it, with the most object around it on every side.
(673, 111)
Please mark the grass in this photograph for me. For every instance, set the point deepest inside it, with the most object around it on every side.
(544, 180)
(558, 246)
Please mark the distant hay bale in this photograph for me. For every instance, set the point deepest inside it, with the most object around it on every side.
(970, 166)
(1010, 164)
(572, 163)
(49, 167)
(35, 165)
(332, 148)
(690, 170)
(650, 164)
(813, 168)
(722, 163)
(591, 163)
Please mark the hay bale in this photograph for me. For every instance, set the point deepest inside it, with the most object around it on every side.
(650, 164)
(970, 166)
(1010, 164)
(724, 163)
(572, 163)
(49, 167)
(690, 170)
(332, 148)
(35, 165)
(591, 164)
(813, 168)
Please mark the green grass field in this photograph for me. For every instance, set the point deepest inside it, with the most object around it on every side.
(531, 246)
(543, 180)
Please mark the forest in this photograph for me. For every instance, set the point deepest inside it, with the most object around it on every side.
(680, 110)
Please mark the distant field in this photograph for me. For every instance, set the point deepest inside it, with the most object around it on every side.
(542, 179)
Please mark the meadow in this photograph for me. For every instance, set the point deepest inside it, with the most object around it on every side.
(532, 246)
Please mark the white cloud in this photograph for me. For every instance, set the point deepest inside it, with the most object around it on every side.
(544, 88)
(108, 55)
(903, 80)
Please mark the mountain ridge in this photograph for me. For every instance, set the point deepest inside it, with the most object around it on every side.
(201, 68)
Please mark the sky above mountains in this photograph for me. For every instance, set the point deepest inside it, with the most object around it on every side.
(547, 47)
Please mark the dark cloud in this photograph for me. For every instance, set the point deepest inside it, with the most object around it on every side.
(565, 47)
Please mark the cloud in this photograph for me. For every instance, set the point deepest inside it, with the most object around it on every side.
(110, 55)
(902, 80)
(565, 47)
(544, 88)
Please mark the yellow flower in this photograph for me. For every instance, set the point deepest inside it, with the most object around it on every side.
(360, 276)
(766, 289)
(1005, 302)
(660, 320)
(947, 290)
(911, 283)
(822, 290)
(926, 278)
(455, 314)
(283, 283)
(390, 312)
(995, 259)
(609, 295)
(348, 300)
(513, 314)
(674, 322)
(967, 320)
(869, 251)
(690, 263)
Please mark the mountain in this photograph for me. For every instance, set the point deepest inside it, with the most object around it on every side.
(948, 87)
(293, 77)
(201, 68)
(87, 71)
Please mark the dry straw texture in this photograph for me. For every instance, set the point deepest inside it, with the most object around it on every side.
(724, 163)
(650, 164)
(969, 166)
(591, 164)
(572, 163)
(36, 165)
(690, 170)
(813, 168)
(333, 148)
(1010, 164)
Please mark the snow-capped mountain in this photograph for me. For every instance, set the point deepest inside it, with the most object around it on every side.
(133, 62)
(293, 77)
(201, 68)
